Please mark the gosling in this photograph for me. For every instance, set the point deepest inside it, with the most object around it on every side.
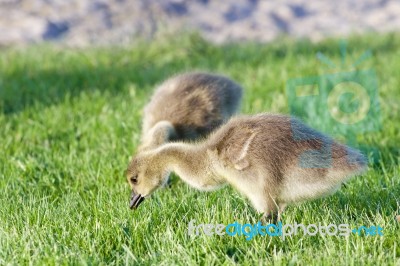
(187, 107)
(272, 159)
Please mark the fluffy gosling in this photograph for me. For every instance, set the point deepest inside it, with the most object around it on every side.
(272, 159)
(188, 106)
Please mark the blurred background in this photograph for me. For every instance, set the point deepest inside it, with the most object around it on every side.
(75, 76)
(88, 22)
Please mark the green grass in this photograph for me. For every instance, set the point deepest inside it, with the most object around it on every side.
(70, 120)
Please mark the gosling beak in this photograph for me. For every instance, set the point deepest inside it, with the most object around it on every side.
(136, 199)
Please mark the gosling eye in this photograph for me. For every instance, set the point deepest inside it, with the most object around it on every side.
(134, 179)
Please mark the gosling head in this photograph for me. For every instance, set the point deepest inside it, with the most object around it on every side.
(144, 177)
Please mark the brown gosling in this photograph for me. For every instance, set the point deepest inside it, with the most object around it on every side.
(272, 159)
(187, 107)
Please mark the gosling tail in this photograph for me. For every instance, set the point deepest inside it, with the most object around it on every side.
(348, 160)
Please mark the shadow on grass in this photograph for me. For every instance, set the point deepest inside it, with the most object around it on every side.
(22, 88)
(46, 75)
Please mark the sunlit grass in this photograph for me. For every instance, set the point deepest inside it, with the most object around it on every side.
(70, 119)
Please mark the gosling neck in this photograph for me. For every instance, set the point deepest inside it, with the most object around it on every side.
(160, 133)
(182, 158)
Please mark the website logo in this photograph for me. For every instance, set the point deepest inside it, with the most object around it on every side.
(249, 231)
